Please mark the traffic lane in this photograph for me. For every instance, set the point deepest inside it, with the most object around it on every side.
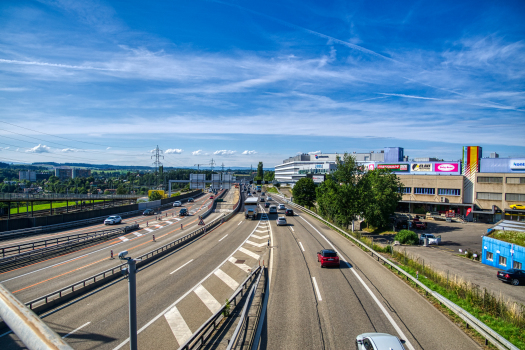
(346, 309)
(67, 269)
(424, 326)
(292, 318)
(140, 219)
(157, 288)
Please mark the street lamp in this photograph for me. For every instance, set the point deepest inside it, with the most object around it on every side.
(132, 296)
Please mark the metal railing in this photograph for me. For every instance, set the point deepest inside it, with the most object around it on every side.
(59, 196)
(199, 338)
(488, 333)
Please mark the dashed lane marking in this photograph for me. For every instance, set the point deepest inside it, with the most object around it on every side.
(301, 246)
(75, 330)
(239, 223)
(223, 238)
(247, 252)
(178, 326)
(230, 282)
(211, 303)
(317, 290)
(171, 273)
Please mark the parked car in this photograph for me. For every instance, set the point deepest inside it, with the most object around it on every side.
(517, 206)
(378, 341)
(420, 225)
(177, 204)
(273, 209)
(183, 212)
(282, 207)
(512, 276)
(431, 239)
(288, 212)
(112, 220)
(148, 212)
(281, 221)
(190, 200)
(266, 205)
(328, 257)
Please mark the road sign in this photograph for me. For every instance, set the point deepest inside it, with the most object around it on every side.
(201, 222)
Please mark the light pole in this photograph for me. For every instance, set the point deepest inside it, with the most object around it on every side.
(132, 296)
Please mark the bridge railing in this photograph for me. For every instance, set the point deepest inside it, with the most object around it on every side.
(59, 196)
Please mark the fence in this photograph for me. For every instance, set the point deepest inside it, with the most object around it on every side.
(490, 335)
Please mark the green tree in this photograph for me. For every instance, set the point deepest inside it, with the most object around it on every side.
(154, 195)
(269, 176)
(381, 196)
(304, 192)
(121, 189)
(349, 193)
(259, 171)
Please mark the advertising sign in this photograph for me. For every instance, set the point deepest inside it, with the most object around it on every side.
(446, 167)
(318, 178)
(393, 167)
(421, 167)
(370, 166)
(516, 164)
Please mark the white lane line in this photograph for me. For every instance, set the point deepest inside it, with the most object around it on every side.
(223, 238)
(247, 252)
(178, 326)
(74, 330)
(137, 234)
(230, 282)
(257, 244)
(182, 297)
(169, 222)
(301, 246)
(171, 273)
(148, 229)
(390, 319)
(262, 231)
(260, 237)
(123, 239)
(239, 223)
(292, 228)
(317, 289)
(211, 303)
(243, 267)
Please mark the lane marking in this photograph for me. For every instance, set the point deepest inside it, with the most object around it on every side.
(178, 326)
(390, 319)
(301, 246)
(171, 273)
(223, 238)
(262, 231)
(233, 284)
(257, 244)
(247, 252)
(260, 237)
(169, 222)
(317, 289)
(148, 229)
(137, 234)
(292, 228)
(123, 239)
(74, 330)
(243, 267)
(209, 300)
(239, 223)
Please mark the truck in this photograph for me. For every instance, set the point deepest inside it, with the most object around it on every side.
(259, 188)
(250, 208)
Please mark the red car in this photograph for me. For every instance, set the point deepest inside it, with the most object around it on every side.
(328, 257)
(211, 197)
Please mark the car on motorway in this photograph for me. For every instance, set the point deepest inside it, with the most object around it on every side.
(281, 221)
(288, 212)
(273, 209)
(261, 199)
(328, 257)
(211, 197)
(262, 193)
(512, 276)
(378, 341)
(517, 206)
(177, 204)
(191, 200)
(112, 220)
(266, 205)
(249, 194)
(282, 207)
(183, 212)
(268, 198)
(148, 212)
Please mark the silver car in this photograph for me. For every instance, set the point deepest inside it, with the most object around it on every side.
(177, 203)
(378, 341)
(112, 220)
(281, 221)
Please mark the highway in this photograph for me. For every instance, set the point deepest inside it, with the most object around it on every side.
(309, 307)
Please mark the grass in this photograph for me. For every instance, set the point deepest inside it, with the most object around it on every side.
(510, 237)
(272, 190)
(45, 206)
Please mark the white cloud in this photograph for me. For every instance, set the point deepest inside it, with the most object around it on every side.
(197, 153)
(249, 152)
(224, 152)
(69, 150)
(315, 152)
(108, 148)
(173, 151)
(39, 149)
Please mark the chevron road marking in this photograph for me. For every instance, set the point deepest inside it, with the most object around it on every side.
(256, 244)
(178, 326)
(230, 282)
(260, 237)
(148, 229)
(211, 303)
(137, 234)
(124, 239)
(243, 267)
(247, 252)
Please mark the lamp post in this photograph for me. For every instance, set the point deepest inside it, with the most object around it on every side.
(132, 296)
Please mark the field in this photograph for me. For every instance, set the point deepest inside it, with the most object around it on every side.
(44, 206)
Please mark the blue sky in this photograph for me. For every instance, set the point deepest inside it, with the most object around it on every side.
(242, 82)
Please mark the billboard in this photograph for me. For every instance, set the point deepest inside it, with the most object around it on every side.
(318, 178)
(471, 156)
(446, 167)
(393, 167)
(517, 164)
(421, 167)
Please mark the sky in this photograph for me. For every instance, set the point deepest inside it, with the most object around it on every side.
(239, 82)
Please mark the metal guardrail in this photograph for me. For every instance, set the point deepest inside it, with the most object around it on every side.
(488, 333)
(50, 300)
(199, 338)
(58, 196)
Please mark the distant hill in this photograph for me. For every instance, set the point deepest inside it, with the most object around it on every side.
(132, 167)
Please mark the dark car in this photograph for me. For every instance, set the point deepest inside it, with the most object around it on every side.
(261, 199)
(183, 212)
(513, 276)
(148, 212)
(267, 205)
(190, 199)
(288, 212)
(328, 257)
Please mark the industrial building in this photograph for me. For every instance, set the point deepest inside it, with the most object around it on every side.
(71, 173)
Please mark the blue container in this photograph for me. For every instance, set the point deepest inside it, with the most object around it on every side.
(502, 255)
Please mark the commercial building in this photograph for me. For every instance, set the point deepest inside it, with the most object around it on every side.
(32, 176)
(71, 173)
(81, 172)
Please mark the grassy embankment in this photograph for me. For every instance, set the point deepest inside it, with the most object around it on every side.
(45, 206)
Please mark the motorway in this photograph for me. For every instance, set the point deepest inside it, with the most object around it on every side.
(309, 307)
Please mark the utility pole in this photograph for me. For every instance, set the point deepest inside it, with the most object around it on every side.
(157, 154)
(212, 164)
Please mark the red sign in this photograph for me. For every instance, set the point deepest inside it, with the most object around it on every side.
(446, 167)
(468, 211)
(393, 167)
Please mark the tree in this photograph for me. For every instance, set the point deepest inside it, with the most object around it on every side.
(304, 192)
(121, 189)
(381, 196)
(259, 171)
(154, 196)
(269, 176)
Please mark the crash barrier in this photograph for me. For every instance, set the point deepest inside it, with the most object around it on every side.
(488, 333)
(73, 244)
(238, 205)
(212, 204)
(199, 338)
(62, 295)
(100, 219)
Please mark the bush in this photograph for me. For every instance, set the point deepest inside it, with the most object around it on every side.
(407, 237)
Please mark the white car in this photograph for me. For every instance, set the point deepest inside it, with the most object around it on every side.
(431, 239)
(281, 221)
(273, 210)
(268, 198)
(177, 204)
(112, 220)
(378, 341)
(282, 207)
